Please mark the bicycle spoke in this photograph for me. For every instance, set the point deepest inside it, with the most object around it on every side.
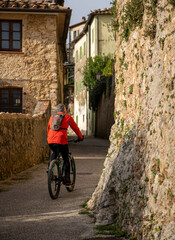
(54, 179)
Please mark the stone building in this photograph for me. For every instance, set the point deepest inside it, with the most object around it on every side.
(95, 39)
(74, 31)
(32, 53)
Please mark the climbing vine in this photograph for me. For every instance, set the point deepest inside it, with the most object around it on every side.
(115, 21)
(151, 11)
(131, 17)
(172, 2)
(103, 66)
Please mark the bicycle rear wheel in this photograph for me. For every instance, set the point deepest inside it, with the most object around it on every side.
(72, 173)
(54, 179)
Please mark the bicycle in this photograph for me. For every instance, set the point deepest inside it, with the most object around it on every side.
(56, 174)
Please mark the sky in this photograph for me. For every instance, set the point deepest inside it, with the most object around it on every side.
(82, 8)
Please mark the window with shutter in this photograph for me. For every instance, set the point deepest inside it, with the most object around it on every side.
(10, 35)
(11, 100)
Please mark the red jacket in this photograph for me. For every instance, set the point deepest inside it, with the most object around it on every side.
(60, 136)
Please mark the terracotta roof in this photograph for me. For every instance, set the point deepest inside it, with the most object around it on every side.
(31, 5)
(77, 24)
(105, 11)
(101, 11)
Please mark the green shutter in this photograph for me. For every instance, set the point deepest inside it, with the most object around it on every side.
(84, 48)
(77, 120)
(77, 56)
(80, 86)
(80, 52)
(83, 86)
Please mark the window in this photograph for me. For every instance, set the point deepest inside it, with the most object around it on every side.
(11, 100)
(10, 35)
(75, 34)
(80, 52)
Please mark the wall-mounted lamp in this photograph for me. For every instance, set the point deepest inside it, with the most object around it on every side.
(98, 76)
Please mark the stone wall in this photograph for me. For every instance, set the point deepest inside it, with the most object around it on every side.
(36, 68)
(137, 185)
(23, 140)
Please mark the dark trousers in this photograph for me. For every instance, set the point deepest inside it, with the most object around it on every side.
(64, 150)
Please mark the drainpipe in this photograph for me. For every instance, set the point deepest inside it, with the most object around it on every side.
(87, 106)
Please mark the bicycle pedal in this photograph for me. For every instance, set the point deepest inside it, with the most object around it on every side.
(68, 184)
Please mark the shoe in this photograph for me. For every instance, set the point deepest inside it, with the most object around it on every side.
(68, 181)
(47, 170)
(68, 184)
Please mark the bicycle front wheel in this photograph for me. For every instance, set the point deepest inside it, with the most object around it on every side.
(54, 179)
(72, 173)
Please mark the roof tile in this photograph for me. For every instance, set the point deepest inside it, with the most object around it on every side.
(29, 4)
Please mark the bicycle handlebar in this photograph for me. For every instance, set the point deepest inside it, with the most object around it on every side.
(76, 140)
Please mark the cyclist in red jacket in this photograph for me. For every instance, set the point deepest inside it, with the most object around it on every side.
(58, 141)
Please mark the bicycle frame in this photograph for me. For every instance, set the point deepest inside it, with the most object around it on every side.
(57, 176)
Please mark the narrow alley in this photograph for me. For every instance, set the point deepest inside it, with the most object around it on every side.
(27, 211)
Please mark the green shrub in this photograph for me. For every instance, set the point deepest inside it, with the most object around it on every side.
(172, 2)
(132, 16)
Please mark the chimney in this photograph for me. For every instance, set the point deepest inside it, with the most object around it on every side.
(59, 2)
(83, 19)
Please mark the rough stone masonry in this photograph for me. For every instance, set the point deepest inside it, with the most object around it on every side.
(137, 186)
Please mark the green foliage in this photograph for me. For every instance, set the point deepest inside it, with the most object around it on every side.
(122, 59)
(137, 56)
(107, 71)
(83, 205)
(122, 124)
(151, 8)
(100, 64)
(114, 10)
(146, 179)
(162, 42)
(150, 31)
(154, 170)
(125, 103)
(126, 66)
(110, 230)
(132, 17)
(172, 2)
(122, 80)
